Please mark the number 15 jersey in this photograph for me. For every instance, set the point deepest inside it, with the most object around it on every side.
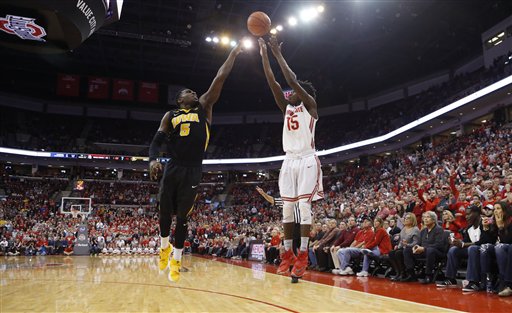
(298, 130)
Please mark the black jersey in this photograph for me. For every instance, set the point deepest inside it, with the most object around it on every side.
(189, 136)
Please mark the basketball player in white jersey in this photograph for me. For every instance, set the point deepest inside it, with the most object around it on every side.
(300, 179)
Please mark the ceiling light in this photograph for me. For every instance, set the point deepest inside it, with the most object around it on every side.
(320, 8)
(233, 43)
(308, 14)
(215, 39)
(484, 121)
(279, 28)
(273, 31)
(224, 40)
(292, 21)
(247, 43)
(208, 39)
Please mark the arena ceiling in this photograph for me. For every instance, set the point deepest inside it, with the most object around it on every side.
(355, 48)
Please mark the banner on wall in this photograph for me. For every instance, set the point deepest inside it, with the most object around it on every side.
(122, 89)
(148, 92)
(98, 87)
(68, 85)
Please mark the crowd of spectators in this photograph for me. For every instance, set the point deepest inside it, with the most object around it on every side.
(397, 207)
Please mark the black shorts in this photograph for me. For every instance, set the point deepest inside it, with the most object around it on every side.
(178, 189)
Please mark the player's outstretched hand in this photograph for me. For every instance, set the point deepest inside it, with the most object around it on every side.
(275, 46)
(267, 197)
(155, 170)
(238, 48)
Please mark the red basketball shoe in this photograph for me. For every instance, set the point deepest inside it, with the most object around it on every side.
(287, 258)
(299, 268)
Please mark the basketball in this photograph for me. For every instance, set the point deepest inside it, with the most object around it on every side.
(258, 23)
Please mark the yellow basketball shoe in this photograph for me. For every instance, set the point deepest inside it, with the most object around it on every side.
(163, 263)
(174, 273)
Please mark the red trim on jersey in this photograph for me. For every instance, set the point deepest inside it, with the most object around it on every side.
(311, 125)
(317, 186)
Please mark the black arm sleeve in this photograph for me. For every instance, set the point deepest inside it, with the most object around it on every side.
(156, 144)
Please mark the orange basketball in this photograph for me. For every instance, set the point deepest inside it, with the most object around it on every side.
(258, 23)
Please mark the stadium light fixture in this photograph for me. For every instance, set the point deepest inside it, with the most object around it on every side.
(308, 15)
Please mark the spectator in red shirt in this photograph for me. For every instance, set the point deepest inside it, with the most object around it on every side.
(380, 245)
(344, 240)
(272, 248)
(449, 223)
(363, 238)
(430, 202)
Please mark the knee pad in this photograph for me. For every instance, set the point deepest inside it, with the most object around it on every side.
(305, 213)
(288, 212)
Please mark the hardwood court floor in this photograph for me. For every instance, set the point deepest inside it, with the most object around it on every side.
(133, 284)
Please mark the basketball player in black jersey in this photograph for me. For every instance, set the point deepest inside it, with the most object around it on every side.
(187, 132)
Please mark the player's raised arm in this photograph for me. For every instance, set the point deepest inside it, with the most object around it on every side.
(291, 78)
(277, 91)
(208, 99)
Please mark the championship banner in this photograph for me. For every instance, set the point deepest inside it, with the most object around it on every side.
(148, 92)
(98, 87)
(122, 89)
(68, 85)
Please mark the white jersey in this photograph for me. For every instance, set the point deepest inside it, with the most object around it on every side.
(298, 130)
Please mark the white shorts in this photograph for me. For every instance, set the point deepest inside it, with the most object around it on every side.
(300, 179)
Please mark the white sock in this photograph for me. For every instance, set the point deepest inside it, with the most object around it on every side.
(304, 243)
(164, 242)
(288, 243)
(177, 254)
